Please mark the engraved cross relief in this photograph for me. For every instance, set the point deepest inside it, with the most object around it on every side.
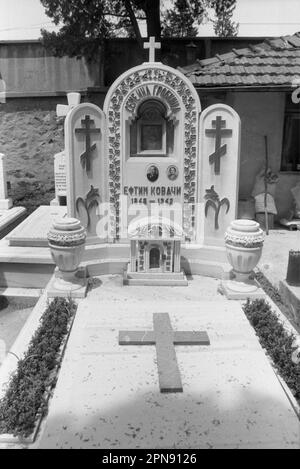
(164, 338)
(152, 46)
(87, 131)
(218, 131)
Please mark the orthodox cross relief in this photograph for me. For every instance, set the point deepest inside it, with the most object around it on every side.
(218, 131)
(152, 46)
(87, 131)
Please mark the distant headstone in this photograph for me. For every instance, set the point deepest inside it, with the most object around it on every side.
(73, 101)
(60, 177)
(219, 175)
(85, 160)
(5, 202)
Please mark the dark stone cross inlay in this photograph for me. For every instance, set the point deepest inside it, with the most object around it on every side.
(87, 130)
(164, 338)
(218, 131)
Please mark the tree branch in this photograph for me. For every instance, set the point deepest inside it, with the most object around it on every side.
(134, 22)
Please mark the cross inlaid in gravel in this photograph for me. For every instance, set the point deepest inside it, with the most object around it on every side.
(164, 338)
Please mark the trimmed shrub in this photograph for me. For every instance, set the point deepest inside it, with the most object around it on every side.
(25, 399)
(276, 341)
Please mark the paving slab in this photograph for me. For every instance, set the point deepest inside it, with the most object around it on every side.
(107, 395)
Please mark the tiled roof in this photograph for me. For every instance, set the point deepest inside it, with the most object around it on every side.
(274, 62)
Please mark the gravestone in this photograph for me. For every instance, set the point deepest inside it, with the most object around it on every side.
(153, 141)
(60, 178)
(219, 174)
(85, 158)
(164, 338)
(5, 202)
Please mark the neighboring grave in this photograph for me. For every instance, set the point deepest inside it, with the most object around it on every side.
(60, 171)
(60, 178)
(9, 215)
(5, 202)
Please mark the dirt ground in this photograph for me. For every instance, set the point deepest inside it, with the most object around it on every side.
(275, 256)
(13, 315)
(30, 140)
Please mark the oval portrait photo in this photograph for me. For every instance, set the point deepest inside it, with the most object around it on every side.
(152, 173)
(172, 173)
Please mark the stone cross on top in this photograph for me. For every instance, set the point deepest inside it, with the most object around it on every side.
(73, 101)
(218, 132)
(152, 46)
(164, 338)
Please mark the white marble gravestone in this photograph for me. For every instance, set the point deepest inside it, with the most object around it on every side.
(85, 158)
(60, 178)
(5, 202)
(219, 172)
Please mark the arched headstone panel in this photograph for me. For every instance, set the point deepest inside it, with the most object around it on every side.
(85, 137)
(219, 174)
(152, 116)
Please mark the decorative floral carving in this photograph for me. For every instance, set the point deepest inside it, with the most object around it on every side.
(178, 85)
(91, 200)
(214, 202)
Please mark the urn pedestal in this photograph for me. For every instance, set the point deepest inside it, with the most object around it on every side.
(244, 242)
(67, 243)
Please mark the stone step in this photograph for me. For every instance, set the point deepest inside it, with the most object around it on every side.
(160, 282)
(156, 275)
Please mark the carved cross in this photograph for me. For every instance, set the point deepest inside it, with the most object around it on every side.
(87, 130)
(218, 131)
(152, 46)
(73, 100)
(164, 338)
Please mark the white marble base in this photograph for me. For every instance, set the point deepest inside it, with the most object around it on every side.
(71, 287)
(6, 204)
(8, 216)
(235, 290)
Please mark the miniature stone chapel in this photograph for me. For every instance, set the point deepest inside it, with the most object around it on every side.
(152, 179)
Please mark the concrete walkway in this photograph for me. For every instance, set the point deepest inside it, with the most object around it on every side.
(107, 396)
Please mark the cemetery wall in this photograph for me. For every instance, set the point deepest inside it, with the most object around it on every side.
(28, 68)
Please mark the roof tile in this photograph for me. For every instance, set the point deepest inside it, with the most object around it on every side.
(273, 62)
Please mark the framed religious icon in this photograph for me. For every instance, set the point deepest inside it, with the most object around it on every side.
(152, 173)
(151, 137)
(172, 173)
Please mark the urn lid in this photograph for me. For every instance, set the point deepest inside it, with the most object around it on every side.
(66, 224)
(249, 226)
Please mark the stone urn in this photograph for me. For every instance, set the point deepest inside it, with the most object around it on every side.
(244, 242)
(67, 243)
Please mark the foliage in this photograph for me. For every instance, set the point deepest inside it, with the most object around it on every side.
(184, 18)
(224, 26)
(275, 296)
(85, 24)
(276, 340)
(24, 399)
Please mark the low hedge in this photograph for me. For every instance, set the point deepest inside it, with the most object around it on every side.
(276, 341)
(25, 398)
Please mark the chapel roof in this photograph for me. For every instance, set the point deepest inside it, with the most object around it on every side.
(274, 62)
(154, 227)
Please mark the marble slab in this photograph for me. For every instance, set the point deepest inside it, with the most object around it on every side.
(33, 231)
(107, 396)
